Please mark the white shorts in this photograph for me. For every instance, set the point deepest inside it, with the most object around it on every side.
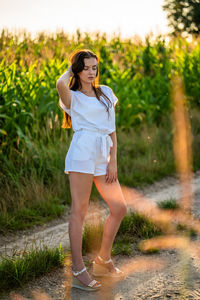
(89, 152)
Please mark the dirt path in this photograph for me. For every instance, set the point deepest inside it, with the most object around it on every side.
(165, 283)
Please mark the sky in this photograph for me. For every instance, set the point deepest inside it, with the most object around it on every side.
(125, 17)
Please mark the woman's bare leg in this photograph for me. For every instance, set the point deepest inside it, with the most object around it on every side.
(80, 188)
(112, 194)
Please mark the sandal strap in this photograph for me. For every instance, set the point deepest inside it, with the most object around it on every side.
(92, 283)
(117, 271)
(79, 272)
(104, 261)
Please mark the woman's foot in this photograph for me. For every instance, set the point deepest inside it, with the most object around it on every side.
(106, 263)
(103, 267)
(82, 280)
(83, 277)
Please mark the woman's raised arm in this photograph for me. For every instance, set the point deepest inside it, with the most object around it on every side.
(63, 88)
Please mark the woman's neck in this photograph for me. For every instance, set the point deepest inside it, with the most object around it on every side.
(86, 88)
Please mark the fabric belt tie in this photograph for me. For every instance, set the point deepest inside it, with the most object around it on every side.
(106, 141)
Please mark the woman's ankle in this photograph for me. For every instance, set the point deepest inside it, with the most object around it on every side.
(78, 266)
(104, 257)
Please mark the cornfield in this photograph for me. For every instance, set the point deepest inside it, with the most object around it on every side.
(138, 72)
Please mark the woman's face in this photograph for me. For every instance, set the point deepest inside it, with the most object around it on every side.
(89, 73)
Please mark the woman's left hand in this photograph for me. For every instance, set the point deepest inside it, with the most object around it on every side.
(111, 174)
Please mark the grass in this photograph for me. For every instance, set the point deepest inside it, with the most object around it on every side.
(146, 155)
(148, 251)
(132, 228)
(168, 204)
(21, 267)
(138, 226)
(172, 204)
(92, 236)
(34, 188)
(122, 245)
(188, 231)
(38, 214)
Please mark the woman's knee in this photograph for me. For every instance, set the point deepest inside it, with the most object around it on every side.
(79, 213)
(119, 210)
(123, 210)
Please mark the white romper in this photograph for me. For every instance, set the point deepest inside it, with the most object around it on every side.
(89, 151)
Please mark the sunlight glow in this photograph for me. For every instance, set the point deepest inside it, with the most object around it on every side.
(120, 17)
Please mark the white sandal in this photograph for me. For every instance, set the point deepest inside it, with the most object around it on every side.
(76, 283)
(101, 268)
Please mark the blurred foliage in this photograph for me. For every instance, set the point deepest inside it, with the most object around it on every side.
(183, 15)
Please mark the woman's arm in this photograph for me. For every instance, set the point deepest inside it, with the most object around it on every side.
(111, 174)
(63, 88)
(113, 150)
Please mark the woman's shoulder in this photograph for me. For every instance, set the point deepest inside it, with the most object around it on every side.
(105, 89)
(109, 92)
(76, 94)
(72, 91)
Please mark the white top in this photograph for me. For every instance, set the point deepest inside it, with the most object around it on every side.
(89, 113)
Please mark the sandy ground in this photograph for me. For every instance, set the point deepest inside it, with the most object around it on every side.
(176, 277)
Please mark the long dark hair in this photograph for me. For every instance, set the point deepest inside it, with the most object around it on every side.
(77, 61)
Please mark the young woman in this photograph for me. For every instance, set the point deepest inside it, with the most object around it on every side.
(92, 156)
